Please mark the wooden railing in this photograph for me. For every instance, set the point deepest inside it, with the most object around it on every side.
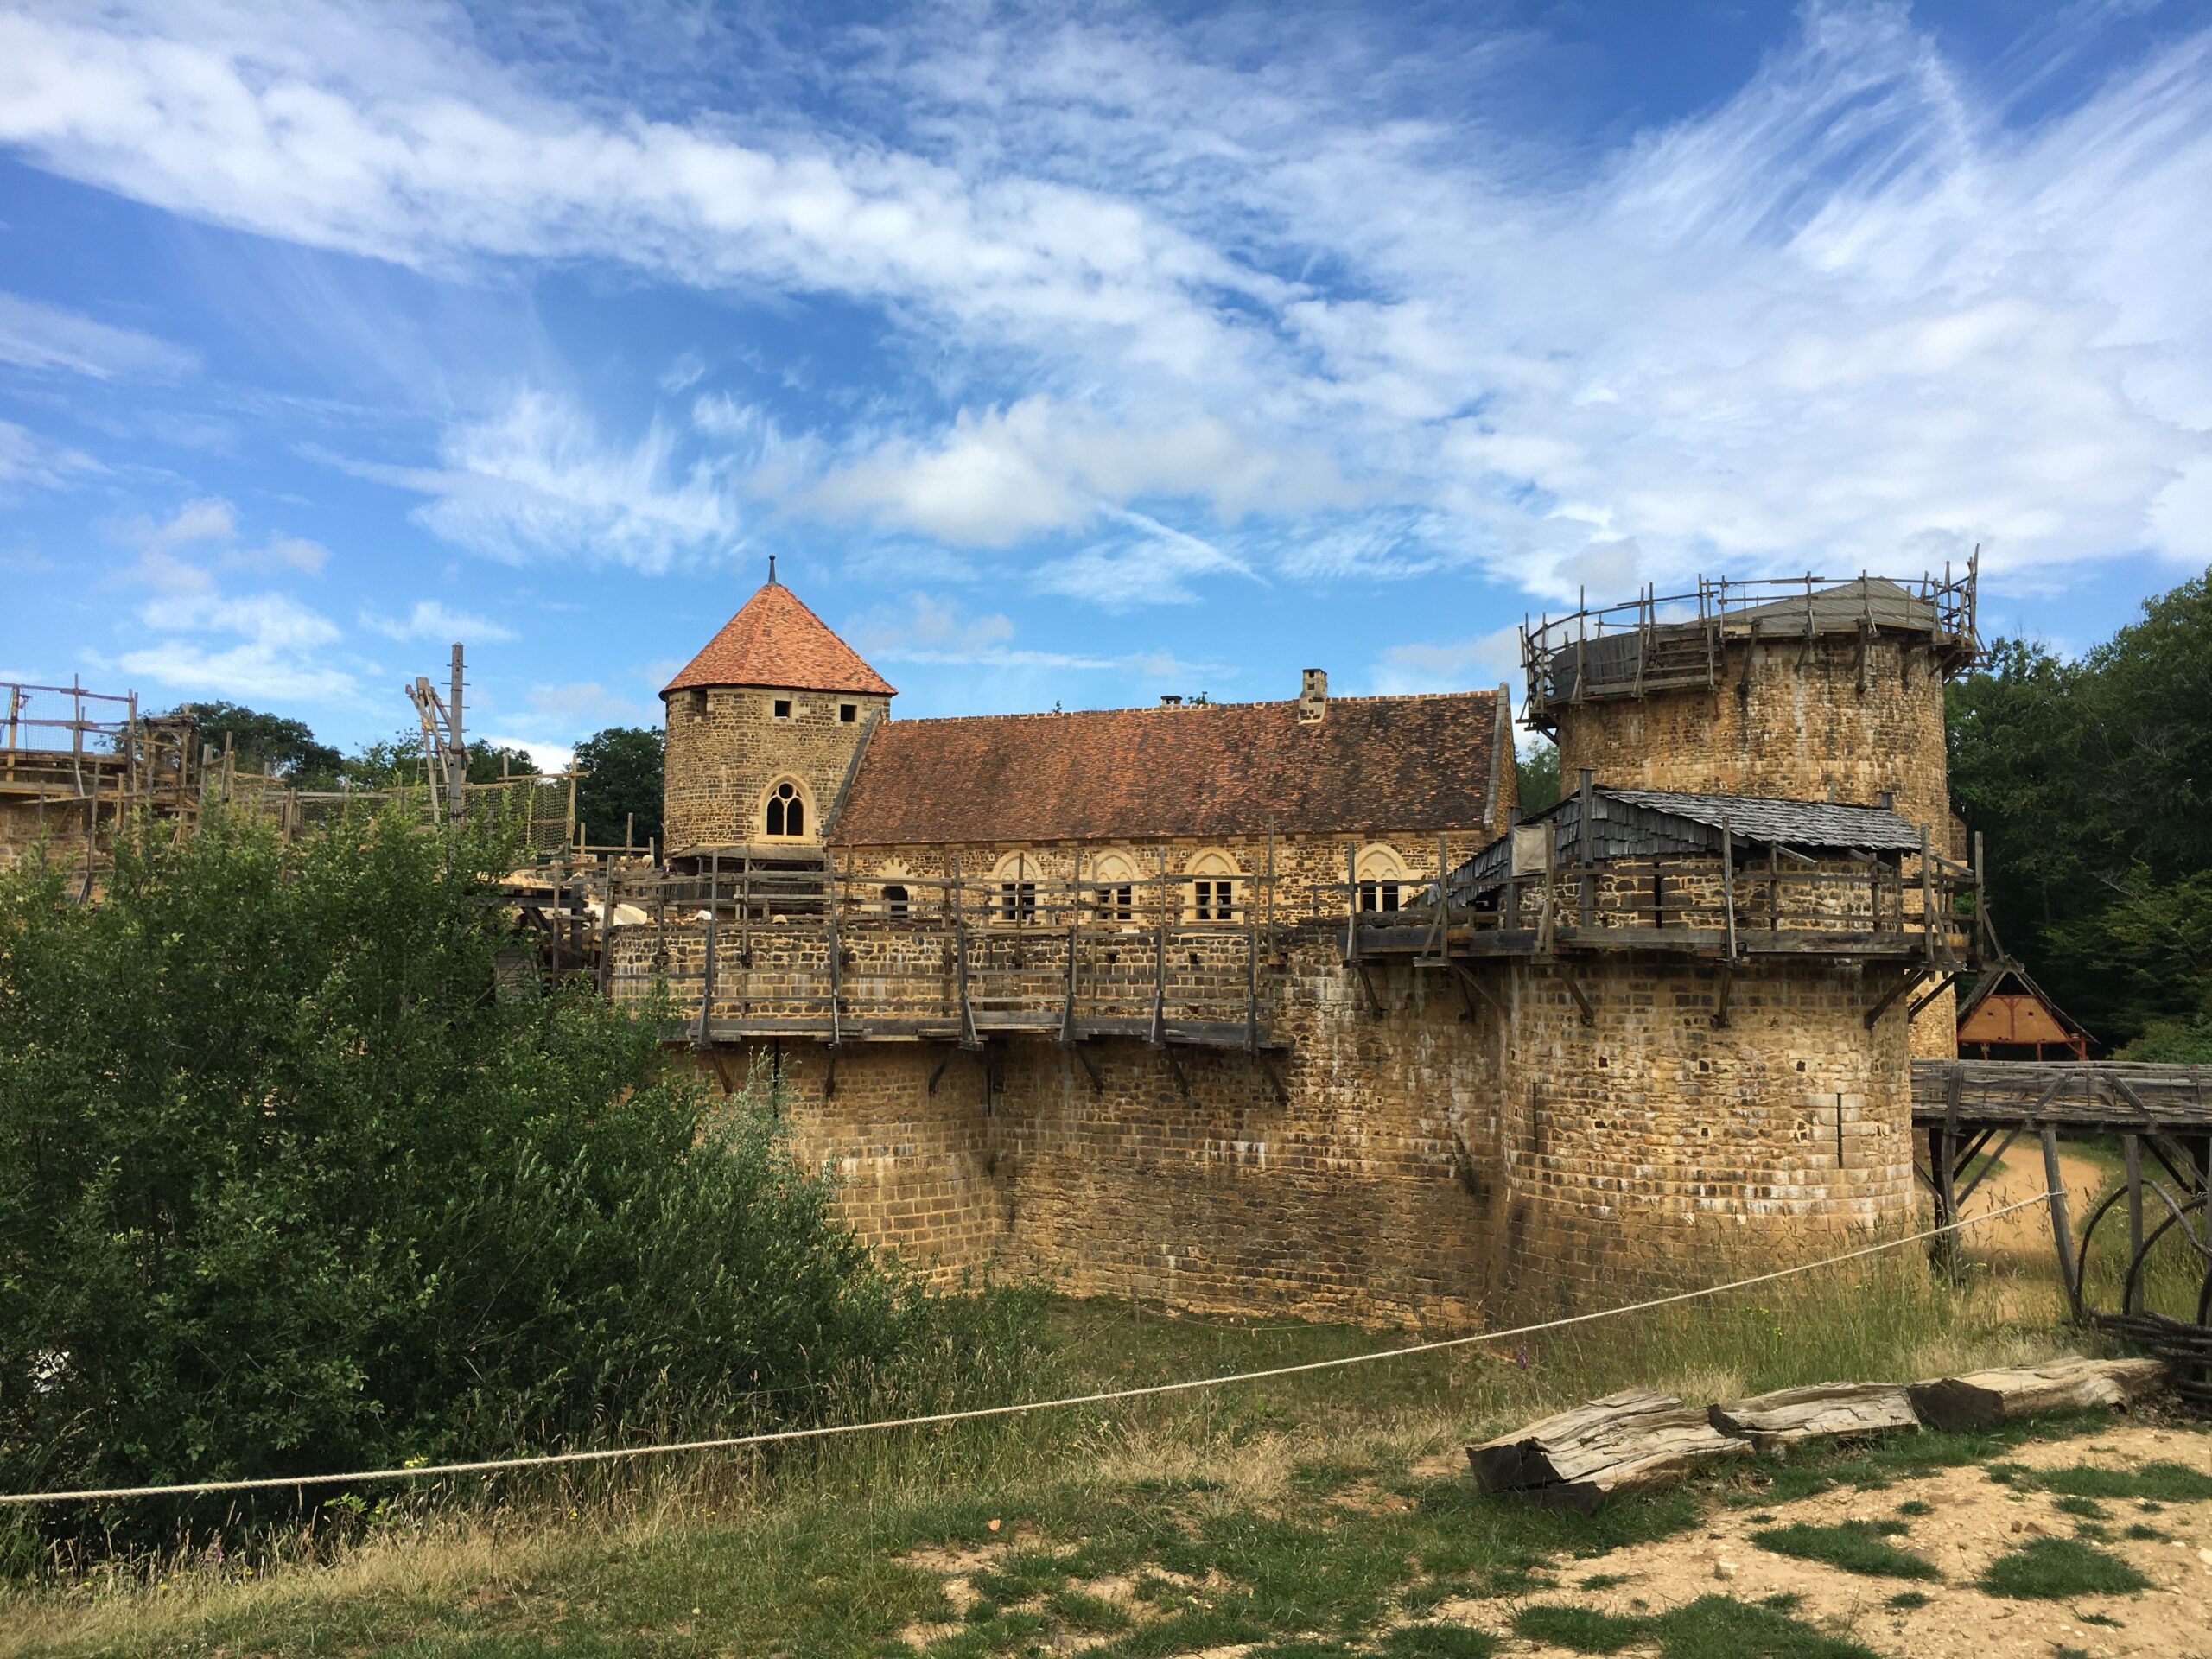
(754, 952)
(1655, 642)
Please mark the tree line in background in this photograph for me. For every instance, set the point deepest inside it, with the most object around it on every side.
(620, 789)
(2092, 780)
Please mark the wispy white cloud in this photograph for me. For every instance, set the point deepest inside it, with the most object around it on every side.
(1460, 666)
(431, 620)
(537, 481)
(282, 649)
(1855, 313)
(36, 335)
(27, 459)
(928, 630)
(1005, 475)
(177, 555)
(683, 373)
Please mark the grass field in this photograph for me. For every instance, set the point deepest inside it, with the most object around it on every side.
(1330, 1508)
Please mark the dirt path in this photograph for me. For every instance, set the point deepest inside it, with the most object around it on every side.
(2022, 1238)
(1972, 1520)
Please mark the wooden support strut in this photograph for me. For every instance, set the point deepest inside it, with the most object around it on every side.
(1566, 976)
(1090, 1069)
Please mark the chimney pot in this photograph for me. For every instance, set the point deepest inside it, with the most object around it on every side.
(1169, 700)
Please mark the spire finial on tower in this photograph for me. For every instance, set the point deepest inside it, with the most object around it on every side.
(771, 569)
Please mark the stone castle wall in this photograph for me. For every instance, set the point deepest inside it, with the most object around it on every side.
(1652, 1149)
(1408, 1160)
(1796, 720)
(726, 749)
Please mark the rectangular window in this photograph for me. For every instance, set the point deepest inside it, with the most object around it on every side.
(848, 712)
(1018, 902)
(1118, 903)
(783, 707)
(1379, 896)
(1214, 901)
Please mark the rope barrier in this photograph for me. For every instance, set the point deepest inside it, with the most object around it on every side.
(546, 1460)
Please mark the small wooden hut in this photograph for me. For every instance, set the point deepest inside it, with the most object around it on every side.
(2007, 1017)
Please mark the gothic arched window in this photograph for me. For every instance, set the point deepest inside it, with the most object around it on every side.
(786, 813)
(1382, 879)
(1213, 888)
(1113, 888)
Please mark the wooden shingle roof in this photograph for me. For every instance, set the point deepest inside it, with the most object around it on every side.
(775, 642)
(1205, 770)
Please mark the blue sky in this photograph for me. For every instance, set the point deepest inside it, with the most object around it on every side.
(1072, 354)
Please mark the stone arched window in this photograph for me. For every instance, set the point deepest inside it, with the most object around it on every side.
(1215, 886)
(784, 815)
(1112, 890)
(1382, 877)
(1013, 890)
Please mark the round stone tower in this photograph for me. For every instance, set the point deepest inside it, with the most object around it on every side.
(764, 727)
(1798, 690)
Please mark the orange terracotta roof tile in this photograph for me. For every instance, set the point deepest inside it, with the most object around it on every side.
(1374, 764)
(776, 642)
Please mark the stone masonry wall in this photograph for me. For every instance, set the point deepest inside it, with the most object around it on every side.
(1788, 719)
(1652, 1150)
(1410, 1160)
(1361, 1192)
(726, 749)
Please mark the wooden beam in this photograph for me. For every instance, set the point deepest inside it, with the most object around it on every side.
(2062, 1231)
(1098, 1084)
(2131, 1158)
(1565, 977)
(1470, 987)
(1915, 976)
(1175, 1066)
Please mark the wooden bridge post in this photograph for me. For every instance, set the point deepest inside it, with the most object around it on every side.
(2061, 1229)
(706, 969)
(2131, 1154)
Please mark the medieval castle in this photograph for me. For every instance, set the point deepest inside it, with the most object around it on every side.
(1287, 1007)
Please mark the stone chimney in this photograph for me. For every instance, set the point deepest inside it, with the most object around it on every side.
(1313, 696)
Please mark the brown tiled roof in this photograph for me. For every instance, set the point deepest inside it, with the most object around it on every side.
(775, 641)
(1374, 764)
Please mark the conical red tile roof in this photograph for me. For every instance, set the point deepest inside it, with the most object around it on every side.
(776, 642)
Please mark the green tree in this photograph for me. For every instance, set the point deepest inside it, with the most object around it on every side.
(1539, 765)
(2092, 782)
(275, 744)
(623, 769)
(285, 1186)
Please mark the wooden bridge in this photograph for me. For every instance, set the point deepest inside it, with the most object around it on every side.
(1968, 1109)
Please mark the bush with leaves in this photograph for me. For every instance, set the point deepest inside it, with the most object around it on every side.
(285, 1186)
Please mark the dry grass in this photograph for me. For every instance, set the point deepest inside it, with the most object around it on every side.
(633, 1545)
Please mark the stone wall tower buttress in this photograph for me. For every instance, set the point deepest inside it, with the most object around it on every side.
(764, 727)
(1797, 689)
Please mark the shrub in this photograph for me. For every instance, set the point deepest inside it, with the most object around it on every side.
(286, 1188)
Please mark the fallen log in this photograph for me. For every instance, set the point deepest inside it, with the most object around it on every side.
(1580, 1458)
(1985, 1399)
(1789, 1416)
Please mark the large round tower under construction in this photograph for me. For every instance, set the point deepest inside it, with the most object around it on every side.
(1799, 689)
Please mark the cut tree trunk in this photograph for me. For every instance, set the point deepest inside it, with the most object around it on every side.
(1788, 1415)
(1580, 1458)
(1984, 1399)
